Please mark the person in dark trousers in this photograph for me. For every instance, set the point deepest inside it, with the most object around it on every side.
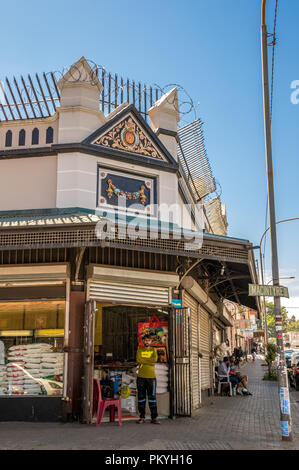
(146, 380)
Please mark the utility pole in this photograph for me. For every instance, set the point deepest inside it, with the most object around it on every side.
(264, 299)
(285, 408)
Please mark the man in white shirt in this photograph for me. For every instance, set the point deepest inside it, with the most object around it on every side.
(223, 368)
(223, 373)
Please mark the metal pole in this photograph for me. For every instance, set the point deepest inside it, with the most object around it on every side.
(285, 409)
(264, 313)
(264, 300)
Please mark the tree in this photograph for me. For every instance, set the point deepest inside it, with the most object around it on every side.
(271, 319)
(293, 326)
(270, 358)
(288, 324)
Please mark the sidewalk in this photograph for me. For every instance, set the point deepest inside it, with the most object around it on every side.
(250, 422)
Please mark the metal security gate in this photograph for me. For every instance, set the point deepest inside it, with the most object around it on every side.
(180, 352)
(88, 355)
(125, 293)
(205, 364)
(190, 302)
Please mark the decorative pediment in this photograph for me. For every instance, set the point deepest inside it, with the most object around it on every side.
(129, 136)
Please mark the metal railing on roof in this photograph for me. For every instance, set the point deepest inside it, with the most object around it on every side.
(215, 216)
(194, 160)
(38, 96)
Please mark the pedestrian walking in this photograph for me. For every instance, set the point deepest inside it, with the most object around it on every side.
(253, 351)
(146, 380)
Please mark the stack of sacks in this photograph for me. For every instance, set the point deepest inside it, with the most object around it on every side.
(33, 359)
(51, 364)
(14, 370)
(162, 377)
(3, 380)
(129, 403)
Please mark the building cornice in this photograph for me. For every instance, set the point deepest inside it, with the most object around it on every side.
(28, 122)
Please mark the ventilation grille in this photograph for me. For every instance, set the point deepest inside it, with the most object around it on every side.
(87, 237)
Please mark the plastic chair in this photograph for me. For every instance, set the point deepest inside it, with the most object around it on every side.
(100, 404)
(226, 382)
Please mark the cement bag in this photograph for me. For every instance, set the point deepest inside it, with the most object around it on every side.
(129, 404)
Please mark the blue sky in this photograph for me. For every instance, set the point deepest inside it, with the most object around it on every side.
(212, 49)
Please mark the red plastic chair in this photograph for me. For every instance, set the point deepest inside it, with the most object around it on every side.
(100, 404)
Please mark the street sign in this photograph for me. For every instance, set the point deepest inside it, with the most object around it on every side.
(257, 290)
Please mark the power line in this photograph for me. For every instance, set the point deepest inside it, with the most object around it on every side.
(273, 56)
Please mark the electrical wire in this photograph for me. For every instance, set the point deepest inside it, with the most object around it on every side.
(273, 57)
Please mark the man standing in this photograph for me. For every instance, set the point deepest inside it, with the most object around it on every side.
(146, 380)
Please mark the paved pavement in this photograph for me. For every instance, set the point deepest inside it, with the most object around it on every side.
(250, 422)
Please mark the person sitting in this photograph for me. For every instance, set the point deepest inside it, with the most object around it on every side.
(239, 380)
(223, 371)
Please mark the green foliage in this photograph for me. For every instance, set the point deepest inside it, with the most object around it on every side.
(293, 326)
(270, 376)
(288, 323)
(270, 358)
(271, 319)
(271, 353)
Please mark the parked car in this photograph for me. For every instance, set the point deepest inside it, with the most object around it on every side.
(288, 354)
(293, 370)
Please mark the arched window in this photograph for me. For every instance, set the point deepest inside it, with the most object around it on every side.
(49, 135)
(35, 136)
(8, 139)
(22, 137)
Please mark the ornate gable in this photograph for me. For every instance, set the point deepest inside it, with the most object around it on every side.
(127, 135)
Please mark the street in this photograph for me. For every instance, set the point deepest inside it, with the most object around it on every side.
(223, 423)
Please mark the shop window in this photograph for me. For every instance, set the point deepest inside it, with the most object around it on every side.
(8, 139)
(22, 137)
(31, 348)
(49, 135)
(35, 136)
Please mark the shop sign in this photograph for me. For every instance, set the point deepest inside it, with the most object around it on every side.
(177, 303)
(248, 333)
(257, 290)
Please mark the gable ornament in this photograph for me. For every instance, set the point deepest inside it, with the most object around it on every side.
(128, 136)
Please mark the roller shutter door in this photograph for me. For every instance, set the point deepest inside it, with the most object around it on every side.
(128, 293)
(195, 371)
(204, 347)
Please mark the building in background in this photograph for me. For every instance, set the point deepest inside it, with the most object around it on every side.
(291, 339)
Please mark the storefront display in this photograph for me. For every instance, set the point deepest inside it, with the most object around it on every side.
(156, 329)
(33, 355)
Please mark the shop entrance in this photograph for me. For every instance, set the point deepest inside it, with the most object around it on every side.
(118, 329)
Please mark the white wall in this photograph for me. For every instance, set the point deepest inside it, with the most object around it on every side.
(28, 183)
(28, 126)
